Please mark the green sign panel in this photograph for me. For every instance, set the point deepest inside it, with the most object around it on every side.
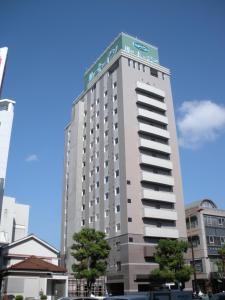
(130, 45)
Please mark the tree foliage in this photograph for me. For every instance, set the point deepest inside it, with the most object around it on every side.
(91, 251)
(169, 256)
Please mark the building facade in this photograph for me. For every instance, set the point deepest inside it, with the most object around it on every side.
(206, 232)
(14, 220)
(6, 121)
(121, 168)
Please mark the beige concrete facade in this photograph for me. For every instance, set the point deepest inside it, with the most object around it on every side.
(122, 170)
(206, 230)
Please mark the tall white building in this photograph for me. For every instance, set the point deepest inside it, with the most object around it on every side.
(6, 121)
(121, 169)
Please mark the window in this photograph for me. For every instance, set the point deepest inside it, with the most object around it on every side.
(143, 68)
(97, 200)
(118, 266)
(106, 179)
(84, 151)
(83, 222)
(97, 100)
(106, 119)
(91, 219)
(83, 192)
(117, 208)
(97, 113)
(83, 207)
(106, 212)
(115, 126)
(115, 111)
(97, 169)
(129, 219)
(220, 222)
(106, 147)
(97, 154)
(97, 126)
(96, 217)
(92, 131)
(154, 72)
(129, 61)
(117, 190)
(83, 163)
(97, 184)
(118, 245)
(106, 133)
(91, 188)
(128, 182)
(118, 227)
(91, 203)
(117, 173)
(116, 141)
(106, 163)
(105, 93)
(83, 178)
(131, 240)
(158, 224)
(139, 66)
(116, 156)
(107, 230)
(211, 239)
(114, 97)
(114, 84)
(91, 158)
(106, 196)
(128, 200)
(222, 240)
(106, 106)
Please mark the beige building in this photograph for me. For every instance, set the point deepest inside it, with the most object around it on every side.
(121, 169)
(206, 232)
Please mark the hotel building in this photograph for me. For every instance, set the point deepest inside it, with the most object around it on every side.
(121, 167)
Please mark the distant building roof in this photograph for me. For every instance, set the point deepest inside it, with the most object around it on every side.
(34, 263)
(205, 203)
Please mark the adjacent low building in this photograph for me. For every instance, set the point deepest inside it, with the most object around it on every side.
(206, 232)
(30, 267)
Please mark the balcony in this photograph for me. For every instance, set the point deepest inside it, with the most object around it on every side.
(163, 232)
(164, 214)
(158, 195)
(155, 161)
(157, 178)
(151, 102)
(155, 145)
(150, 89)
(152, 115)
(154, 130)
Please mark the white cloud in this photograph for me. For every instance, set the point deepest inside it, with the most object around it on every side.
(200, 122)
(31, 157)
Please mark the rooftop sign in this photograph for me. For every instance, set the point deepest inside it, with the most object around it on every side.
(128, 44)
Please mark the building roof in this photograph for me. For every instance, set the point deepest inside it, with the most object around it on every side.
(29, 237)
(34, 263)
(205, 203)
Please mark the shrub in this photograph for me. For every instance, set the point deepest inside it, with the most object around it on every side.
(19, 297)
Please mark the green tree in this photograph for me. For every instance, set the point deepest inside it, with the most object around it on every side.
(221, 265)
(91, 251)
(169, 256)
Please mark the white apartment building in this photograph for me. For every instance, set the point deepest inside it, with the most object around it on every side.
(121, 168)
(6, 121)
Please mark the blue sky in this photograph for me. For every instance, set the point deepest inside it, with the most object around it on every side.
(51, 44)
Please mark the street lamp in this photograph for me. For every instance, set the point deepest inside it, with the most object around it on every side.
(195, 287)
